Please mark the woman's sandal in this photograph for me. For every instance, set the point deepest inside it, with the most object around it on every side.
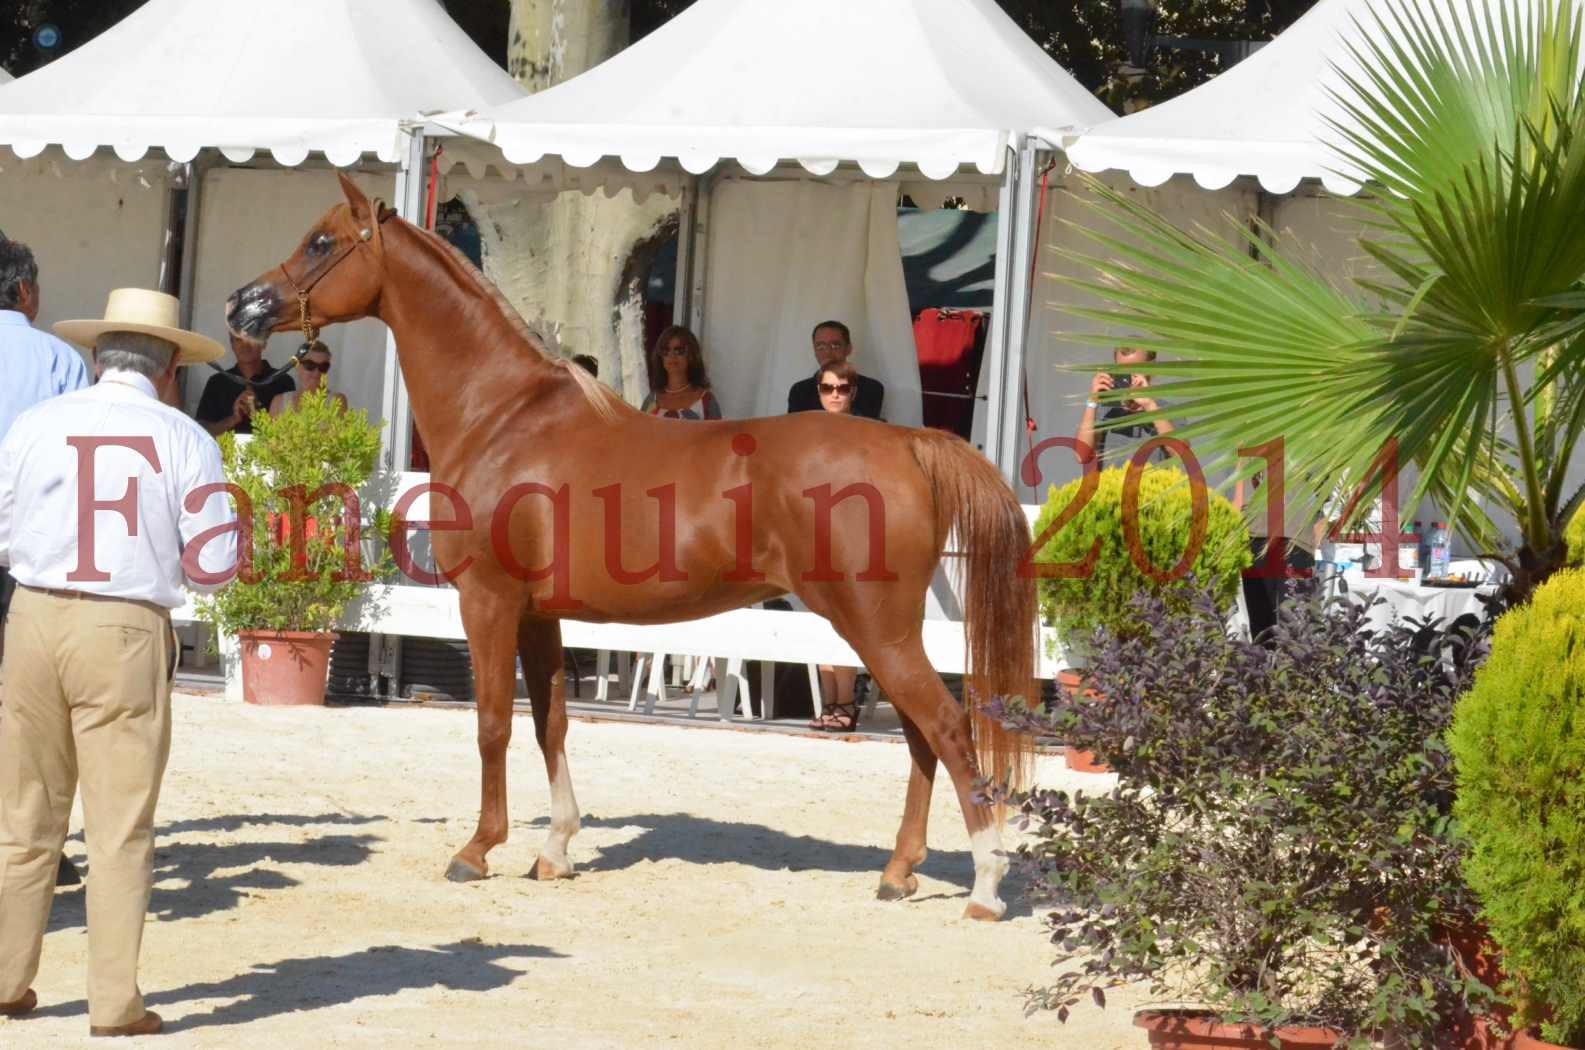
(837, 718)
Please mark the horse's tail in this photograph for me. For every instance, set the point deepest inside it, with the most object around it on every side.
(977, 513)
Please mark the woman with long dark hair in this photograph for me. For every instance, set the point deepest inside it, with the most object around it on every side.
(679, 386)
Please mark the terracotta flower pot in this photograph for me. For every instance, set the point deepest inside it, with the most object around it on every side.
(1477, 958)
(1530, 1041)
(284, 668)
(1187, 1030)
(1072, 683)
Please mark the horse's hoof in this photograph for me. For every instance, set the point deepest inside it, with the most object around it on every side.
(980, 913)
(891, 891)
(547, 871)
(461, 871)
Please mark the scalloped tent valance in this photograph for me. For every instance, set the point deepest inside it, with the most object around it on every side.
(934, 84)
(290, 77)
(1267, 117)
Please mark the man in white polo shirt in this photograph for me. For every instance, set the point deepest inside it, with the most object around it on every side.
(110, 501)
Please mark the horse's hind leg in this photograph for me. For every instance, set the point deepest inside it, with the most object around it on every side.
(539, 647)
(489, 619)
(898, 880)
(919, 695)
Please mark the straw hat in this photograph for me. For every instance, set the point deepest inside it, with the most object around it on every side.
(148, 312)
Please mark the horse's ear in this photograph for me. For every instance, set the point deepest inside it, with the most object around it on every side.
(355, 197)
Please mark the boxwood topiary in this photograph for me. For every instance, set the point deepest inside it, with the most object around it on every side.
(1518, 741)
(1102, 598)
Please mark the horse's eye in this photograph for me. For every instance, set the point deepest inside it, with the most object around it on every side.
(321, 244)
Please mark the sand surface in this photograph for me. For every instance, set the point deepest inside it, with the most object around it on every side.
(724, 898)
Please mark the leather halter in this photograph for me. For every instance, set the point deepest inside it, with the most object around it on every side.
(303, 286)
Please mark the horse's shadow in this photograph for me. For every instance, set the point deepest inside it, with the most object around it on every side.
(320, 981)
(701, 840)
(194, 879)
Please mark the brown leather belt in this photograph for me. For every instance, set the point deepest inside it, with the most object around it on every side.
(88, 596)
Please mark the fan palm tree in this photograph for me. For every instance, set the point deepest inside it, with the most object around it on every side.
(1466, 122)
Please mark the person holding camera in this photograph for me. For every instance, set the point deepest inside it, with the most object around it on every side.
(1128, 373)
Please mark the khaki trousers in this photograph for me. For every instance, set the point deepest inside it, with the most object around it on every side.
(87, 698)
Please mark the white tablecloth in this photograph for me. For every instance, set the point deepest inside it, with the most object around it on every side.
(1406, 600)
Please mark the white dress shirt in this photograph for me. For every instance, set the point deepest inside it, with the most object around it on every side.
(40, 525)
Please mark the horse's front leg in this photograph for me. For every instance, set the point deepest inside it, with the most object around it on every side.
(490, 622)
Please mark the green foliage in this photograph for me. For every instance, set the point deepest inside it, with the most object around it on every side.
(1277, 848)
(1474, 135)
(1574, 536)
(1518, 741)
(314, 445)
(1101, 598)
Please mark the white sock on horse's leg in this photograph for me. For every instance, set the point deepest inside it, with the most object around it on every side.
(990, 864)
(563, 821)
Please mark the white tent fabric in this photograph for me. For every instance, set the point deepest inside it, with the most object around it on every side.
(287, 76)
(936, 83)
(1266, 117)
(835, 253)
(5, 77)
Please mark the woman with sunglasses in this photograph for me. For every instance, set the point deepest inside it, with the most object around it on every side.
(315, 369)
(679, 387)
(836, 385)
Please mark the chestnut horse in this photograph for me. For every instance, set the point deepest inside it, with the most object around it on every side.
(568, 503)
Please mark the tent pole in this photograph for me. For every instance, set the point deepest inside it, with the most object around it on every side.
(1018, 298)
(1005, 283)
(385, 651)
(681, 286)
(410, 206)
(699, 253)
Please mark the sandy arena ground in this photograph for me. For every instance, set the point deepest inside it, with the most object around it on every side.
(724, 898)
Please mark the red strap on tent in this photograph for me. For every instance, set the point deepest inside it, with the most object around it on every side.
(430, 201)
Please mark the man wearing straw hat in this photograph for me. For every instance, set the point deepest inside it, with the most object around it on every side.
(91, 653)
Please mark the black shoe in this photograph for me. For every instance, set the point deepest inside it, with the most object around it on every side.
(67, 874)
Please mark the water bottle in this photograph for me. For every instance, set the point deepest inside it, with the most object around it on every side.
(1409, 554)
(1441, 551)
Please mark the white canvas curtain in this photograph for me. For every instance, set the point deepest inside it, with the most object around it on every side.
(784, 256)
(252, 221)
(93, 225)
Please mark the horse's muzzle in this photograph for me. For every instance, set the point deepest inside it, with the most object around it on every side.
(253, 311)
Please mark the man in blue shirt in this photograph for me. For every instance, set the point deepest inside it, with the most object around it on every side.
(37, 366)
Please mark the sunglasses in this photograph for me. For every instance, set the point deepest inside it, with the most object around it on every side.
(315, 366)
(841, 389)
(675, 351)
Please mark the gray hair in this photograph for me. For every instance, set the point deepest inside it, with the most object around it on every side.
(17, 267)
(147, 355)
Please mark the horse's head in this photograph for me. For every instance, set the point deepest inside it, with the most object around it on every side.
(335, 274)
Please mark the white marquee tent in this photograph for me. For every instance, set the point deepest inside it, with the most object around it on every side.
(830, 106)
(1268, 117)
(267, 81)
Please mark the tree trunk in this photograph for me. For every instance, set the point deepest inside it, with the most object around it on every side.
(563, 261)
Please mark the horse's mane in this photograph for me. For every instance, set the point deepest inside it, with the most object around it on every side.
(601, 397)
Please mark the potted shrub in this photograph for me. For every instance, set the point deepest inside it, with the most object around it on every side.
(1278, 852)
(1080, 605)
(1518, 742)
(284, 603)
